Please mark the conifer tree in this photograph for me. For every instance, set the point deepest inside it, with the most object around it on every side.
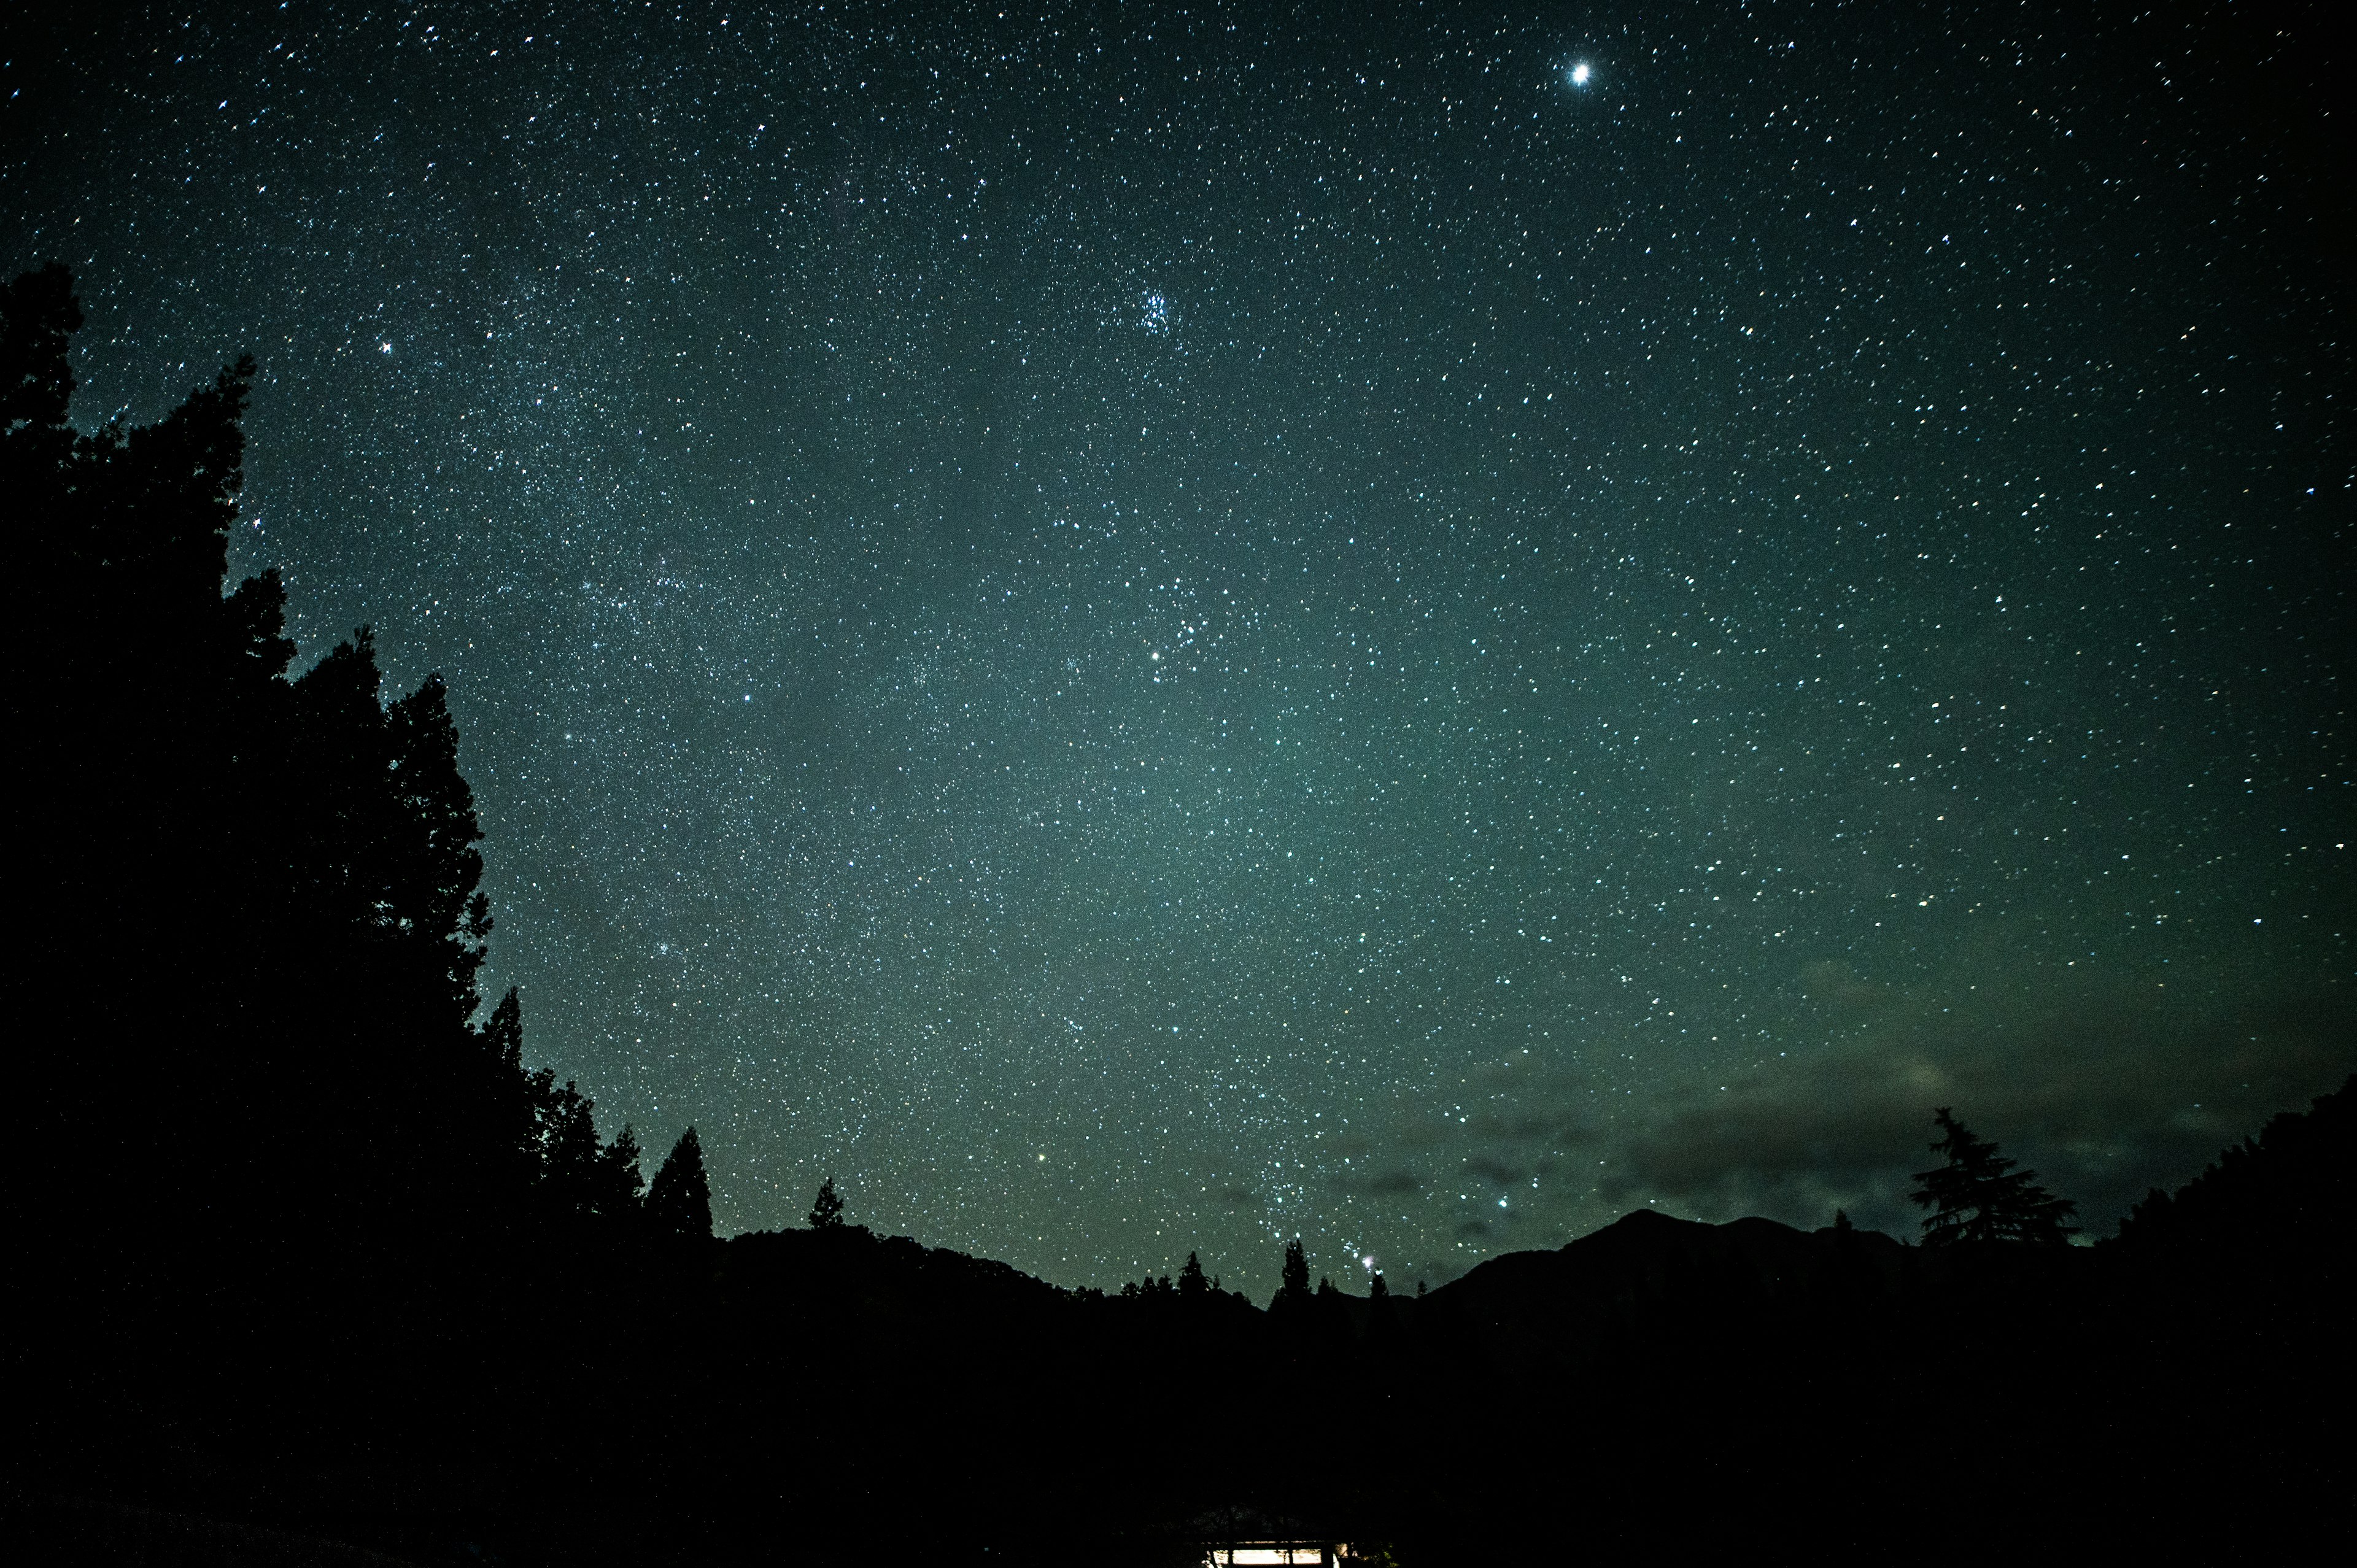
(680, 1201)
(620, 1183)
(508, 1089)
(433, 880)
(38, 316)
(826, 1209)
(1978, 1195)
(565, 1133)
(1293, 1280)
(260, 904)
(1191, 1282)
(1380, 1314)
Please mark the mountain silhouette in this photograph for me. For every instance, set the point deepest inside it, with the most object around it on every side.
(313, 1263)
(1566, 1304)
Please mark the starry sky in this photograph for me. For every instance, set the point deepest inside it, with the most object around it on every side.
(1138, 629)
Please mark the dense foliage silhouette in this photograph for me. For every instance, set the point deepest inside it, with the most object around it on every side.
(314, 1257)
(826, 1209)
(305, 1181)
(680, 1202)
(1978, 1195)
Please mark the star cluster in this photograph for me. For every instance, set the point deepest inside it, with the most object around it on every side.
(1147, 629)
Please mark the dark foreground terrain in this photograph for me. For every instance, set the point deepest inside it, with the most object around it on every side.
(310, 1268)
(1657, 1388)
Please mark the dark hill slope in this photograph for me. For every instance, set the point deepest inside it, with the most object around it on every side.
(1647, 1275)
(888, 1281)
(2288, 1191)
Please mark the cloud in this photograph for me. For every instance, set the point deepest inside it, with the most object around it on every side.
(2105, 1092)
(2105, 1087)
(1383, 1183)
(1837, 985)
(1501, 1173)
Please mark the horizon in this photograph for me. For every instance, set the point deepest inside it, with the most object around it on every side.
(1151, 634)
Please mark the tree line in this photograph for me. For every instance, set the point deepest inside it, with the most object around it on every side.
(294, 1199)
(255, 1056)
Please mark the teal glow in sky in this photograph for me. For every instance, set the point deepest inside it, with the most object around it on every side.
(1137, 632)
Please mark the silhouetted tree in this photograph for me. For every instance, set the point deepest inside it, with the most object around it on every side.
(581, 1176)
(508, 1089)
(1293, 1279)
(434, 867)
(1191, 1282)
(38, 316)
(2284, 1190)
(1978, 1195)
(261, 935)
(826, 1209)
(1381, 1315)
(680, 1201)
(620, 1185)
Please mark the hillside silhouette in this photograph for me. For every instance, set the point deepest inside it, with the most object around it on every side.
(315, 1266)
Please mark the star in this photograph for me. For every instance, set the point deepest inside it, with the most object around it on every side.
(1673, 510)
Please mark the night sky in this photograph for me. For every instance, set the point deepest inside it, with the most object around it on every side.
(1136, 628)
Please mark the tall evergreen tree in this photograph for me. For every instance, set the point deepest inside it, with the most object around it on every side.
(260, 931)
(581, 1176)
(1191, 1282)
(1293, 1278)
(38, 316)
(1978, 1195)
(680, 1201)
(621, 1186)
(826, 1209)
(507, 1088)
(433, 881)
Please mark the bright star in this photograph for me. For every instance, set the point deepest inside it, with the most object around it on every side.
(1579, 74)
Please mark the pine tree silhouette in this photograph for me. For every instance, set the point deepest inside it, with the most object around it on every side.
(1978, 1195)
(1191, 1282)
(582, 1178)
(620, 1185)
(1293, 1279)
(508, 1089)
(301, 1162)
(826, 1209)
(680, 1201)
